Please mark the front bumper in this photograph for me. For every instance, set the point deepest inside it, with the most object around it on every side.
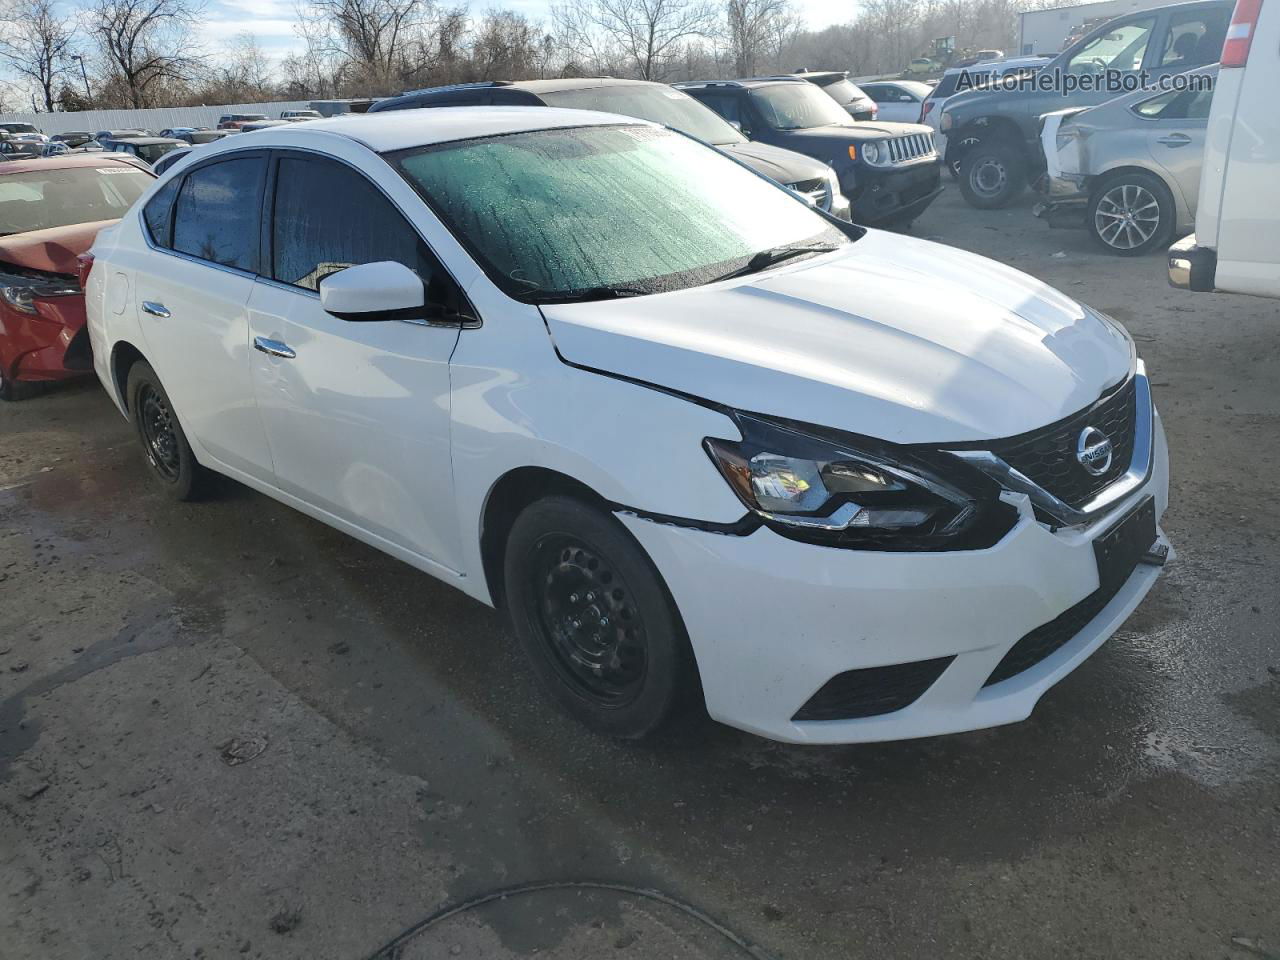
(51, 344)
(1192, 267)
(773, 620)
(894, 195)
(1066, 199)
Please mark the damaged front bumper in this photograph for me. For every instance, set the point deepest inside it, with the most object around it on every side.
(1064, 200)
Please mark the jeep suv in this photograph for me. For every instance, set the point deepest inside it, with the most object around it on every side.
(999, 128)
(889, 171)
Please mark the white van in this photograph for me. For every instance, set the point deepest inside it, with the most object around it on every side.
(1235, 247)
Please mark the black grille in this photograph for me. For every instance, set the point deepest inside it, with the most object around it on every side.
(1048, 456)
(872, 691)
(1118, 552)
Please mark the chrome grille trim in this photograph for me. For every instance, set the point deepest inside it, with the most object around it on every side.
(912, 147)
(1139, 472)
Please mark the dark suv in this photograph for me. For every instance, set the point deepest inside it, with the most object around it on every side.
(655, 102)
(993, 134)
(889, 171)
(836, 85)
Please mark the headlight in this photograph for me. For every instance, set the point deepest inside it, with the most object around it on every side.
(811, 484)
(833, 181)
(871, 153)
(21, 296)
(944, 122)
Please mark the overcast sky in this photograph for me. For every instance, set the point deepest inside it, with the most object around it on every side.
(271, 21)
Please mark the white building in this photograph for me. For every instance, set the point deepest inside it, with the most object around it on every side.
(1046, 31)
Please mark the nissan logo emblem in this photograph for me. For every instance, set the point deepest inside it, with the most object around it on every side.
(1093, 450)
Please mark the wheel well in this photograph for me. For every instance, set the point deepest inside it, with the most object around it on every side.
(1107, 176)
(123, 356)
(510, 495)
(990, 129)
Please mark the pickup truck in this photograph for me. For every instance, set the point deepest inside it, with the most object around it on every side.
(998, 124)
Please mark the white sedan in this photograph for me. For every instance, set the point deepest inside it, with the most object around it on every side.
(701, 441)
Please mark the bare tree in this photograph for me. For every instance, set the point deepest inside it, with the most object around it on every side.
(756, 30)
(145, 43)
(506, 46)
(243, 74)
(645, 35)
(36, 44)
(376, 35)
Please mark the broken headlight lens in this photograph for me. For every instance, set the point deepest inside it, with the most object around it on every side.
(21, 296)
(809, 484)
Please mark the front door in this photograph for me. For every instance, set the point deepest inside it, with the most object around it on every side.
(357, 413)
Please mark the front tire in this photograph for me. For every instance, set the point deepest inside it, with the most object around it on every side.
(14, 390)
(595, 619)
(164, 444)
(1131, 214)
(992, 175)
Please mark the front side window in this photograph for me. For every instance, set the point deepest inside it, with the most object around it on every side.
(217, 214)
(557, 213)
(39, 199)
(1121, 48)
(354, 224)
(798, 106)
(1194, 38)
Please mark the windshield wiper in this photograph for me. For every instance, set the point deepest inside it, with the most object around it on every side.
(588, 293)
(774, 255)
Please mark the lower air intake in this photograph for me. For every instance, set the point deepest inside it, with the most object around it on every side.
(872, 691)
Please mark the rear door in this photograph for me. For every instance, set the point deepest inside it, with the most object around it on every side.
(192, 294)
(357, 413)
(1175, 136)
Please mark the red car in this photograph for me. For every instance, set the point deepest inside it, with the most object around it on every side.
(50, 211)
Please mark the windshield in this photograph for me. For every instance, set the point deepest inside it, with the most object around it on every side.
(552, 213)
(659, 104)
(151, 152)
(842, 91)
(798, 106)
(38, 199)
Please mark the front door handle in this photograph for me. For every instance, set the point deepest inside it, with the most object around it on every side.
(273, 348)
(155, 309)
(1175, 140)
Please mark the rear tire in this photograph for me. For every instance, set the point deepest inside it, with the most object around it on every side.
(595, 619)
(164, 444)
(1131, 214)
(992, 175)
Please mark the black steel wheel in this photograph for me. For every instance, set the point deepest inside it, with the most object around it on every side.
(164, 445)
(595, 619)
(155, 421)
(589, 614)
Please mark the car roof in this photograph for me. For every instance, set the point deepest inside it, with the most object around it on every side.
(66, 161)
(148, 141)
(402, 129)
(745, 83)
(534, 86)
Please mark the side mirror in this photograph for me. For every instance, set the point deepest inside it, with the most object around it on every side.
(736, 124)
(375, 291)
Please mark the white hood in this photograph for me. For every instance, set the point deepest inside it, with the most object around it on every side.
(891, 337)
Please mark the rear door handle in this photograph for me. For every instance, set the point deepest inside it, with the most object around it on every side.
(155, 309)
(1175, 140)
(273, 348)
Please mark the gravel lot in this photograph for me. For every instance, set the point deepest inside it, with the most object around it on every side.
(228, 731)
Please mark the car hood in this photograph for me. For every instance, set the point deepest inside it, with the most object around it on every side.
(784, 166)
(53, 250)
(892, 337)
(862, 130)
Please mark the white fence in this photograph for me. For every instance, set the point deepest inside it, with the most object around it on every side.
(157, 120)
